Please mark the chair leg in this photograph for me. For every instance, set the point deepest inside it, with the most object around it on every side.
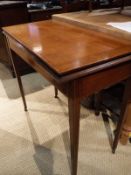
(56, 92)
(122, 4)
(123, 115)
(126, 130)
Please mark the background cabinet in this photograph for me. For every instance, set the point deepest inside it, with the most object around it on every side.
(39, 15)
(12, 13)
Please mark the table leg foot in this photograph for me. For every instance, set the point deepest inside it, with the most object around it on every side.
(21, 90)
(113, 151)
(56, 92)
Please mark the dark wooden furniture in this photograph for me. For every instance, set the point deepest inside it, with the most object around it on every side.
(110, 4)
(78, 62)
(12, 13)
(61, 6)
(74, 5)
(41, 14)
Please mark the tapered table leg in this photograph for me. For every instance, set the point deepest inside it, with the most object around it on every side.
(21, 87)
(18, 76)
(126, 100)
(74, 120)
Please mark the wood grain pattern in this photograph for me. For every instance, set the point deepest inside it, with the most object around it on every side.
(98, 21)
(66, 48)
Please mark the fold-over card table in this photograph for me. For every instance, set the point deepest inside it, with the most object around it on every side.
(78, 62)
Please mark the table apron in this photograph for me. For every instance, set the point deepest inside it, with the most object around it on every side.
(87, 85)
(103, 79)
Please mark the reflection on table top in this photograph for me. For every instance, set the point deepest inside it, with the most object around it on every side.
(99, 20)
(66, 48)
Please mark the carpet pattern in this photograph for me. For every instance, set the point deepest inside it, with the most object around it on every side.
(37, 142)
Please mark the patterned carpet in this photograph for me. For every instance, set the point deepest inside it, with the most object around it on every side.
(37, 142)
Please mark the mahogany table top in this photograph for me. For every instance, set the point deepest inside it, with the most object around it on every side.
(66, 48)
(99, 20)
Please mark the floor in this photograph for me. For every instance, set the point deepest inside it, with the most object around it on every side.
(37, 142)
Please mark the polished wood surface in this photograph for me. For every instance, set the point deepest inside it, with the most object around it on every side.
(66, 48)
(99, 20)
(77, 62)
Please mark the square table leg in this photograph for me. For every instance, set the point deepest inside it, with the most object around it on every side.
(74, 122)
(17, 74)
